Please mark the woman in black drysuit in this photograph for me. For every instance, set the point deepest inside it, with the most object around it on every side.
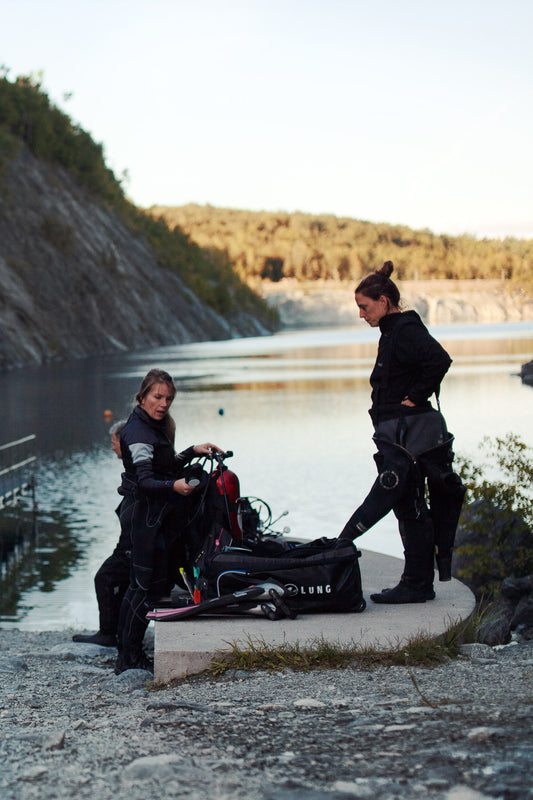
(154, 510)
(412, 442)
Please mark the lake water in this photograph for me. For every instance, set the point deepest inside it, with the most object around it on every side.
(294, 409)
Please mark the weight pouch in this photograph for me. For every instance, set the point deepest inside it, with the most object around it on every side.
(416, 433)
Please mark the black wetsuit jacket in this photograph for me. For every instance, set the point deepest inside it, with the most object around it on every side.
(410, 363)
(150, 464)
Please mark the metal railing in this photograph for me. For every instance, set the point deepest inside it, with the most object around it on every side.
(15, 479)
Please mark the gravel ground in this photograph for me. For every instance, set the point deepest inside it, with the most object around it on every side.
(71, 728)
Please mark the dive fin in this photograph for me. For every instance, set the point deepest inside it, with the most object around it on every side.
(259, 591)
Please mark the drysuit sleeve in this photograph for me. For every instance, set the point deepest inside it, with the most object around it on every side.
(184, 458)
(142, 455)
(428, 361)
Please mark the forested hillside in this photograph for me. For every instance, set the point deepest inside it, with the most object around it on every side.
(82, 271)
(268, 245)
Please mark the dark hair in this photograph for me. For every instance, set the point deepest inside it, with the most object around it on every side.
(150, 379)
(378, 284)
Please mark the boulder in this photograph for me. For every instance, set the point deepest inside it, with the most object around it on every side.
(490, 543)
(491, 548)
(526, 373)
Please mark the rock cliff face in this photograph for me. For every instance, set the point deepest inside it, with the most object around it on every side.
(74, 281)
(439, 302)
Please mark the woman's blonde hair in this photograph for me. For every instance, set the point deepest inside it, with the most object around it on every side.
(150, 379)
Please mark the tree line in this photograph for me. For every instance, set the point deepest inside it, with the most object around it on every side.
(274, 245)
(220, 252)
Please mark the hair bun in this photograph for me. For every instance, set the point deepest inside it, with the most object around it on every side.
(386, 269)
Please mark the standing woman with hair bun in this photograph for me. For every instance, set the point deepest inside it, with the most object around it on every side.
(409, 368)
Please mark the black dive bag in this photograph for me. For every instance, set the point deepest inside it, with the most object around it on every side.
(318, 578)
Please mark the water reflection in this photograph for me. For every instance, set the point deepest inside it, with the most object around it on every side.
(38, 556)
(294, 412)
(76, 529)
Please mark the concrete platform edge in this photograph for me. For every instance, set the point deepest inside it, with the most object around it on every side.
(187, 647)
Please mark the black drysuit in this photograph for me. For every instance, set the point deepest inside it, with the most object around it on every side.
(155, 517)
(111, 582)
(412, 445)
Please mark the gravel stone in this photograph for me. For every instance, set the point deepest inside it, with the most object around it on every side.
(72, 728)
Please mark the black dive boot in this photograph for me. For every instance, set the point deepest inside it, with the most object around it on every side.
(127, 659)
(416, 583)
(404, 593)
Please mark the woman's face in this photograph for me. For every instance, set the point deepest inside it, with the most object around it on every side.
(371, 310)
(157, 401)
(115, 445)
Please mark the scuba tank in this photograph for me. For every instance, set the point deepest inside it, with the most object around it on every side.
(228, 487)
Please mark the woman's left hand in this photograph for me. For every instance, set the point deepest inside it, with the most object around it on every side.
(182, 487)
(207, 449)
(407, 402)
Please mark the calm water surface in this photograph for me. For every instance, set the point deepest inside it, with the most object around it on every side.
(294, 409)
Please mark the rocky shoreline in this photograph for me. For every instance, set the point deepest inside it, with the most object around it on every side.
(72, 728)
(439, 302)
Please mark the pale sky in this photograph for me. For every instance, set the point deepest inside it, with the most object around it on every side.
(417, 113)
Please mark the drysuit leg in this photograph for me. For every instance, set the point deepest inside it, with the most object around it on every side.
(418, 548)
(110, 583)
(446, 496)
(394, 475)
(132, 624)
(416, 530)
(147, 584)
(141, 519)
(156, 531)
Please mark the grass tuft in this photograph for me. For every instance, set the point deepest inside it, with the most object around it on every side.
(420, 650)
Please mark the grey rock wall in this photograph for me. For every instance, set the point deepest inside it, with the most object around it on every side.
(74, 281)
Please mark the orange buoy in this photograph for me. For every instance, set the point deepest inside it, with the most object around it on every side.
(108, 414)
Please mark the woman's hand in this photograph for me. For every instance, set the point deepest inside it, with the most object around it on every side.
(182, 487)
(206, 449)
(407, 402)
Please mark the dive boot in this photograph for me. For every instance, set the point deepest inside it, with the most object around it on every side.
(126, 660)
(403, 593)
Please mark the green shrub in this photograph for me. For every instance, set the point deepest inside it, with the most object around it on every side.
(9, 147)
(495, 539)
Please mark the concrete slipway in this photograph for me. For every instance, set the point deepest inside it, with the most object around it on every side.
(187, 647)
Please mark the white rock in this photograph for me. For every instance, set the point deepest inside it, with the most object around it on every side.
(309, 702)
(148, 767)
